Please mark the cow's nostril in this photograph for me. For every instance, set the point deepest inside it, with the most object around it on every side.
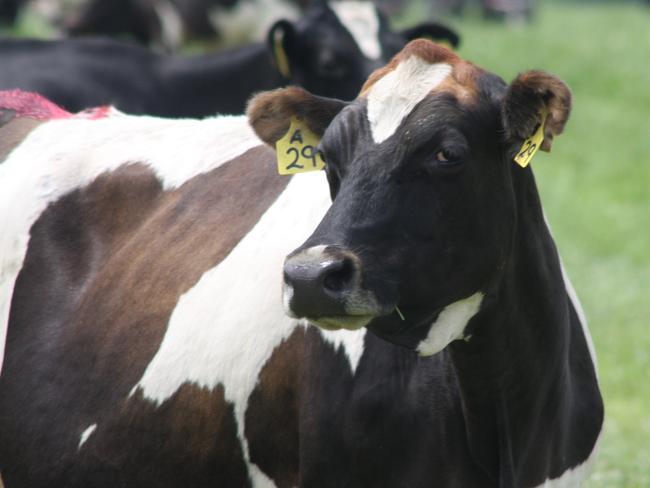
(339, 275)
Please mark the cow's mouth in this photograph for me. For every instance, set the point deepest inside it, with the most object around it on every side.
(349, 322)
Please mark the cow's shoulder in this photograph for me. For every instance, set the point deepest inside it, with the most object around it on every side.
(13, 130)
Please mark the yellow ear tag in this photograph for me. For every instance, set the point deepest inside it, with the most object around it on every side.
(296, 151)
(281, 56)
(531, 145)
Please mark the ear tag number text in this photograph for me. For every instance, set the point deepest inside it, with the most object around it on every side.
(531, 145)
(296, 151)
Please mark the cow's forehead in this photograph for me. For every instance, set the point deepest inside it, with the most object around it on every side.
(421, 69)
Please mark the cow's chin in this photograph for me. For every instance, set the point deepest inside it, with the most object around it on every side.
(348, 322)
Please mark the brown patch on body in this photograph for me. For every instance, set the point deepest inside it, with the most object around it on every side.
(192, 435)
(272, 415)
(105, 267)
(461, 83)
(13, 130)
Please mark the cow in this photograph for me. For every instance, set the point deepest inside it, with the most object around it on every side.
(330, 51)
(9, 11)
(168, 23)
(436, 241)
(141, 274)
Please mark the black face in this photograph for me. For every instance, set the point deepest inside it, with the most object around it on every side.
(325, 59)
(428, 215)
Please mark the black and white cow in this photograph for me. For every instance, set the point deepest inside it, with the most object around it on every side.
(331, 50)
(9, 11)
(169, 23)
(140, 283)
(437, 241)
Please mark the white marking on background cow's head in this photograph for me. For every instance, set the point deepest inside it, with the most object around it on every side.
(362, 21)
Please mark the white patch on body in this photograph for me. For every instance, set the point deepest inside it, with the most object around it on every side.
(361, 20)
(577, 306)
(352, 342)
(287, 295)
(450, 324)
(225, 328)
(86, 434)
(395, 95)
(62, 155)
(576, 476)
(573, 297)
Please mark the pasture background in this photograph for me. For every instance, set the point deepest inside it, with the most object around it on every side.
(595, 186)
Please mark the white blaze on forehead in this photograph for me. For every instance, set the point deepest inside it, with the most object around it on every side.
(395, 95)
(450, 324)
(362, 21)
(63, 155)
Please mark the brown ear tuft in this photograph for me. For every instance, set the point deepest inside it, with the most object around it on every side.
(527, 95)
(270, 113)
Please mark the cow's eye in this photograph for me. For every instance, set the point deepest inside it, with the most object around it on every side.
(446, 157)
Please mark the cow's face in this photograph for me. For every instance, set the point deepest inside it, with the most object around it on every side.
(333, 48)
(421, 176)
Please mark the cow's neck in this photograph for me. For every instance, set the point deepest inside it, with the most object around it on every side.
(218, 83)
(515, 372)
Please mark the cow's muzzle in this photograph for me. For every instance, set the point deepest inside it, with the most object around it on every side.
(323, 284)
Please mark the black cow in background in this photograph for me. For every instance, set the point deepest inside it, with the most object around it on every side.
(9, 11)
(169, 23)
(319, 52)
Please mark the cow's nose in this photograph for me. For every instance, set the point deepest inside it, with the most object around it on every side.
(319, 280)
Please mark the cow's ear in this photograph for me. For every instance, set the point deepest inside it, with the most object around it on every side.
(280, 39)
(270, 113)
(434, 32)
(531, 94)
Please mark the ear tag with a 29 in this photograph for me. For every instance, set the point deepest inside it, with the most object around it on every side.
(531, 145)
(296, 151)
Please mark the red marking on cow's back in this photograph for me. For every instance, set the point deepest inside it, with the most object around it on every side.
(31, 105)
(35, 106)
(95, 113)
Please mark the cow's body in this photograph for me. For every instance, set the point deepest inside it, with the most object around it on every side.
(168, 23)
(147, 345)
(82, 73)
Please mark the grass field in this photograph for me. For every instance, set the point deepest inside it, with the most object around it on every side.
(596, 190)
(595, 187)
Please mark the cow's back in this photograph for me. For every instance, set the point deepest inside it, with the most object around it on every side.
(83, 73)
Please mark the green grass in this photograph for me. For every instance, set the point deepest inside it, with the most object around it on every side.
(595, 186)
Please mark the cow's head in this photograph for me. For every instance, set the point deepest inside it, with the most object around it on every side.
(421, 173)
(333, 48)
